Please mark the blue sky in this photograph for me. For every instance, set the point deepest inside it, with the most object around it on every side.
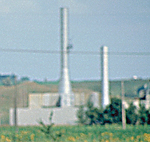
(123, 26)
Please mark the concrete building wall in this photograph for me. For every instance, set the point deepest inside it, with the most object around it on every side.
(35, 100)
(43, 100)
(95, 99)
(147, 102)
(28, 116)
(79, 99)
(40, 107)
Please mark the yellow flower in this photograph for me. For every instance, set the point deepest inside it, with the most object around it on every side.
(71, 139)
(32, 137)
(132, 138)
(82, 135)
(24, 132)
(2, 137)
(146, 137)
(138, 137)
(63, 131)
(17, 135)
(8, 140)
(110, 134)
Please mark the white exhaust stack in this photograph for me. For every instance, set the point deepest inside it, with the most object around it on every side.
(65, 89)
(104, 76)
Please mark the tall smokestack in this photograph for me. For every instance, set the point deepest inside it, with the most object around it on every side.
(104, 76)
(65, 89)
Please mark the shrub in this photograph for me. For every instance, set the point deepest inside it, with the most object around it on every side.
(48, 131)
(81, 115)
(131, 115)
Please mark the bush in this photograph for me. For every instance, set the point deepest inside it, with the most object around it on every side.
(48, 130)
(81, 115)
(113, 114)
(142, 115)
(131, 114)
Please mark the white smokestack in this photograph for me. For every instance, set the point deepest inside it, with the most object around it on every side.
(65, 90)
(104, 76)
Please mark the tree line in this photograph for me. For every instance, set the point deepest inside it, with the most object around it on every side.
(112, 114)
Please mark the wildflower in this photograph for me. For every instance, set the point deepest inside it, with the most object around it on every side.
(71, 139)
(32, 137)
(146, 137)
(24, 132)
(138, 137)
(82, 135)
(63, 131)
(2, 137)
(8, 140)
(132, 138)
(110, 134)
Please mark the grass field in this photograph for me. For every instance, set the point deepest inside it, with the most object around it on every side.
(107, 133)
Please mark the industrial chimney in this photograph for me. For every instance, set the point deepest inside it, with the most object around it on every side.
(65, 90)
(104, 76)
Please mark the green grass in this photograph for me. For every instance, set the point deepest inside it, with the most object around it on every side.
(113, 133)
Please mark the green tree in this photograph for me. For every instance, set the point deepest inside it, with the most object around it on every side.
(7, 81)
(143, 115)
(112, 113)
(100, 114)
(90, 113)
(25, 79)
(131, 114)
(81, 115)
(148, 115)
(48, 130)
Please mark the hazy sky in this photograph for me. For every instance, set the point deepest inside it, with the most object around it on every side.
(123, 26)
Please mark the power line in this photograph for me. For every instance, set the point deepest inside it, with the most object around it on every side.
(29, 51)
(130, 53)
(46, 51)
(73, 52)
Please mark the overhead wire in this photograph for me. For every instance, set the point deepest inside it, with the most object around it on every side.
(73, 52)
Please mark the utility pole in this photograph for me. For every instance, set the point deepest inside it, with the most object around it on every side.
(123, 108)
(15, 108)
(15, 102)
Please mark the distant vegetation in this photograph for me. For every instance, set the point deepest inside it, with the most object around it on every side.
(131, 86)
